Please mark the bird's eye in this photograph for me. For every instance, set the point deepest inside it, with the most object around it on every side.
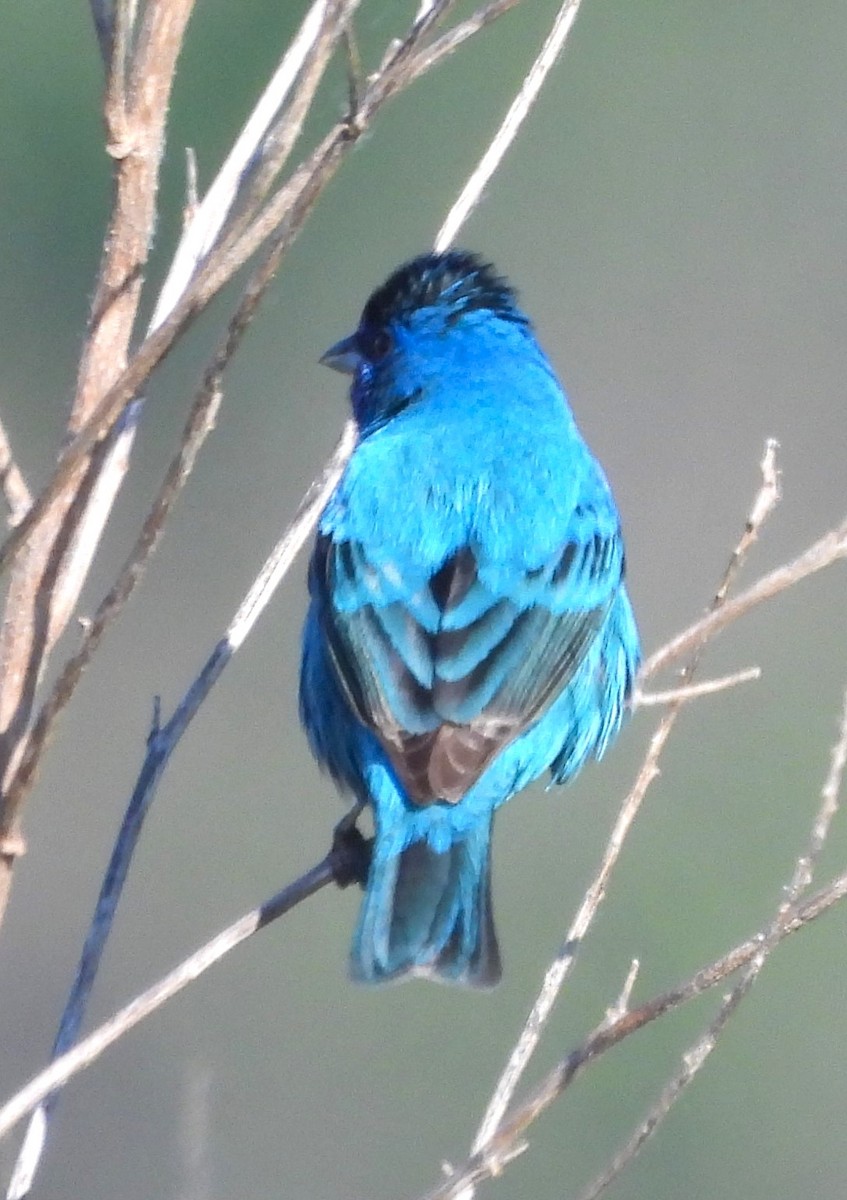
(379, 345)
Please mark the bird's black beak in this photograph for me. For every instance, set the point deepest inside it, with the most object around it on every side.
(343, 356)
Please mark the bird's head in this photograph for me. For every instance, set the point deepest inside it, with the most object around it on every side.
(438, 313)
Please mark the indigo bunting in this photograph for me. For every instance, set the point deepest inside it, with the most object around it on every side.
(468, 627)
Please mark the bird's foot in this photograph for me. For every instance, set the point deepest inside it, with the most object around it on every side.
(351, 850)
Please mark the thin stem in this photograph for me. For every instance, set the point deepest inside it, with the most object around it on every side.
(606, 1036)
(12, 482)
(91, 1047)
(694, 691)
(560, 968)
(519, 110)
(829, 549)
(487, 1162)
(212, 213)
(695, 1057)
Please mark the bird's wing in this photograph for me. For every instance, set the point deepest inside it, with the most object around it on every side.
(448, 672)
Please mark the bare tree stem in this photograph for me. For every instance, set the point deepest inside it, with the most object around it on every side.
(560, 968)
(12, 482)
(695, 1057)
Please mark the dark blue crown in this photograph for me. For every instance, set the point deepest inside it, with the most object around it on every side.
(458, 279)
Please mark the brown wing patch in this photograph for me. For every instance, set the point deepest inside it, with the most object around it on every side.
(443, 764)
(398, 675)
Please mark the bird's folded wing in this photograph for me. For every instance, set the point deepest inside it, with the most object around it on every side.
(447, 670)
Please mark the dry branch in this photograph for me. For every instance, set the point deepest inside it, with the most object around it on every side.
(695, 1057)
(763, 504)
(12, 482)
(222, 234)
(52, 563)
(80, 493)
(85, 1052)
(488, 1161)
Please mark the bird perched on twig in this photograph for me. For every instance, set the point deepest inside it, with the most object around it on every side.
(469, 628)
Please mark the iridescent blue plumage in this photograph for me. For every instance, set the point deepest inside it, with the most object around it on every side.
(469, 627)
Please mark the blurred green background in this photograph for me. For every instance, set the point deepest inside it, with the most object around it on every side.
(674, 215)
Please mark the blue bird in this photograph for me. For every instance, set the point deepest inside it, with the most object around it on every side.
(468, 628)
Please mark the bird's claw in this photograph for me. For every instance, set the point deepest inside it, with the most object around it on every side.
(351, 851)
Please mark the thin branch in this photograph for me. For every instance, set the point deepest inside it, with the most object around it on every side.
(621, 1006)
(332, 869)
(830, 793)
(50, 570)
(444, 45)
(212, 214)
(518, 111)
(829, 549)
(708, 687)
(607, 1035)
(695, 1057)
(486, 1163)
(160, 745)
(281, 215)
(12, 482)
(162, 741)
(559, 969)
(200, 423)
(192, 199)
(259, 176)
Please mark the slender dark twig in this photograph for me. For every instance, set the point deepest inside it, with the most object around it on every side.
(346, 863)
(161, 743)
(609, 1034)
(288, 209)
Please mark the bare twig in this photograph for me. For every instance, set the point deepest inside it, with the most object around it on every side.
(50, 569)
(192, 198)
(696, 1055)
(427, 57)
(829, 549)
(607, 1035)
(217, 205)
(708, 687)
(12, 482)
(296, 199)
(486, 1162)
(621, 1006)
(562, 963)
(518, 111)
(281, 215)
(86, 1051)
(200, 422)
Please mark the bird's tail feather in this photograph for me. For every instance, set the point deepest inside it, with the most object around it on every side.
(429, 914)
